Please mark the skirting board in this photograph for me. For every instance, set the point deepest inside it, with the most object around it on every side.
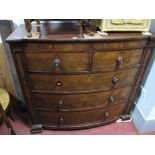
(141, 122)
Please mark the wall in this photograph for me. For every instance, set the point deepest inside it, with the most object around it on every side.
(144, 112)
(0, 39)
(2, 81)
(9, 77)
(17, 22)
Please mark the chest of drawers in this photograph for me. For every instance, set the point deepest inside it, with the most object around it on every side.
(79, 83)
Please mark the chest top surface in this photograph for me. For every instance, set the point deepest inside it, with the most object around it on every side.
(71, 32)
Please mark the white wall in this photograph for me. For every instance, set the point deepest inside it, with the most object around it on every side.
(147, 99)
(0, 39)
(144, 112)
(152, 113)
(17, 22)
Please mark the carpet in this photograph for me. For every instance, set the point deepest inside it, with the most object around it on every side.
(22, 125)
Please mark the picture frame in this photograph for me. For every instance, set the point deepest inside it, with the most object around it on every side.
(141, 25)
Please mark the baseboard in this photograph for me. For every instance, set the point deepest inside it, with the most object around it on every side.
(141, 122)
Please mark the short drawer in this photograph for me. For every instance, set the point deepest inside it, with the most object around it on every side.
(83, 82)
(57, 62)
(81, 101)
(119, 45)
(57, 47)
(120, 59)
(81, 117)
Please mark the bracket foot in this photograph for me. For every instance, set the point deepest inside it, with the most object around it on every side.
(125, 117)
(36, 128)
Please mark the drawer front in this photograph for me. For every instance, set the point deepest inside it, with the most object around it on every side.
(57, 62)
(16, 47)
(118, 45)
(84, 82)
(120, 59)
(57, 47)
(81, 101)
(81, 117)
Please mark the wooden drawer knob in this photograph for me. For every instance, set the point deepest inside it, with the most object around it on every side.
(110, 99)
(59, 83)
(60, 121)
(106, 114)
(115, 81)
(120, 60)
(60, 104)
(56, 63)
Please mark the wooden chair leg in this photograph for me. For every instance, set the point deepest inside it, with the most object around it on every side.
(10, 112)
(28, 27)
(38, 25)
(6, 121)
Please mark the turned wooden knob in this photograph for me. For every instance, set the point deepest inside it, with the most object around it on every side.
(115, 81)
(106, 114)
(111, 99)
(60, 104)
(120, 60)
(61, 120)
(56, 63)
(59, 83)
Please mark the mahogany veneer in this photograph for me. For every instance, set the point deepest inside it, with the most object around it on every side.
(70, 82)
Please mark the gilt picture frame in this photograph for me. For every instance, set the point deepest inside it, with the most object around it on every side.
(141, 25)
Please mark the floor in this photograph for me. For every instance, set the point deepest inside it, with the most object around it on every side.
(22, 124)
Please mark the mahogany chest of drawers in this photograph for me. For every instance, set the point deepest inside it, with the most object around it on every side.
(75, 83)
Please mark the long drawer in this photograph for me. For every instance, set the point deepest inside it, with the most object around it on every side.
(81, 117)
(83, 82)
(62, 102)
